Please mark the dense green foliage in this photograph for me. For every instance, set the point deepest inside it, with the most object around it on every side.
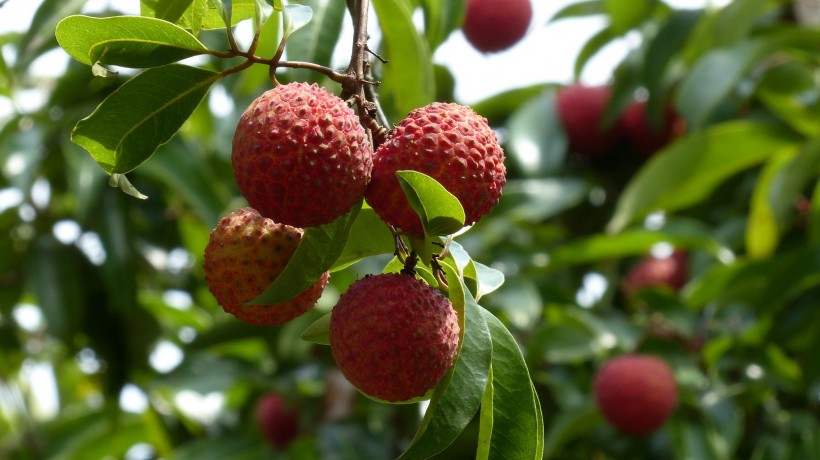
(118, 280)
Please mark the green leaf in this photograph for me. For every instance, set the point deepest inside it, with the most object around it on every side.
(316, 254)
(127, 127)
(440, 19)
(315, 42)
(515, 432)
(534, 200)
(439, 210)
(498, 108)
(580, 9)
(625, 16)
(369, 236)
(762, 229)
(568, 425)
(296, 17)
(736, 21)
(537, 143)
(168, 10)
(129, 41)
(457, 397)
(199, 14)
(408, 77)
(793, 112)
(487, 279)
(687, 171)
(319, 331)
(591, 48)
(666, 45)
(121, 182)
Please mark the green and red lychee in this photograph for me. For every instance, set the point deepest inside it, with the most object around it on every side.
(636, 393)
(300, 155)
(645, 137)
(671, 272)
(581, 109)
(491, 26)
(278, 422)
(393, 337)
(448, 142)
(244, 255)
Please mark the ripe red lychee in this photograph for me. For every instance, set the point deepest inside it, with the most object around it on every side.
(672, 272)
(645, 137)
(490, 25)
(245, 253)
(448, 142)
(300, 155)
(278, 423)
(636, 393)
(393, 337)
(581, 110)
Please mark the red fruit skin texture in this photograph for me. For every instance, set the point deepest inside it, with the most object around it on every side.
(490, 25)
(645, 138)
(393, 337)
(245, 253)
(278, 423)
(636, 393)
(672, 272)
(448, 142)
(300, 155)
(581, 110)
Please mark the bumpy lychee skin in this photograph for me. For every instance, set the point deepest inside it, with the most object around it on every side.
(671, 272)
(245, 253)
(636, 393)
(448, 142)
(645, 138)
(393, 337)
(300, 155)
(278, 422)
(581, 110)
(490, 25)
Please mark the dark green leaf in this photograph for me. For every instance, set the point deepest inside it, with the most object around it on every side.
(440, 19)
(315, 41)
(128, 127)
(534, 200)
(316, 254)
(514, 403)
(579, 9)
(666, 45)
(439, 210)
(537, 142)
(736, 20)
(369, 236)
(568, 425)
(591, 47)
(794, 113)
(408, 79)
(686, 172)
(457, 397)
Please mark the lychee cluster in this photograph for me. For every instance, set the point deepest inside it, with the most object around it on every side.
(636, 393)
(393, 337)
(244, 255)
(582, 112)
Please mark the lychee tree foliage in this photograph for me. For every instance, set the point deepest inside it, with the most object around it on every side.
(486, 376)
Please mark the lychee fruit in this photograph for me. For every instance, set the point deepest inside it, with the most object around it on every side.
(448, 142)
(490, 25)
(393, 337)
(671, 272)
(636, 393)
(300, 155)
(244, 255)
(646, 138)
(278, 423)
(581, 110)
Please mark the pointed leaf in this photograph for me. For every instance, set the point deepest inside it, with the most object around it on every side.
(133, 121)
(319, 331)
(316, 254)
(369, 236)
(199, 14)
(129, 41)
(316, 41)
(515, 407)
(687, 171)
(121, 182)
(296, 17)
(457, 397)
(439, 210)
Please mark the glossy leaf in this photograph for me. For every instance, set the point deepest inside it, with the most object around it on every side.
(408, 77)
(315, 41)
(200, 14)
(129, 41)
(319, 331)
(457, 397)
(316, 254)
(439, 210)
(686, 172)
(515, 423)
(128, 127)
